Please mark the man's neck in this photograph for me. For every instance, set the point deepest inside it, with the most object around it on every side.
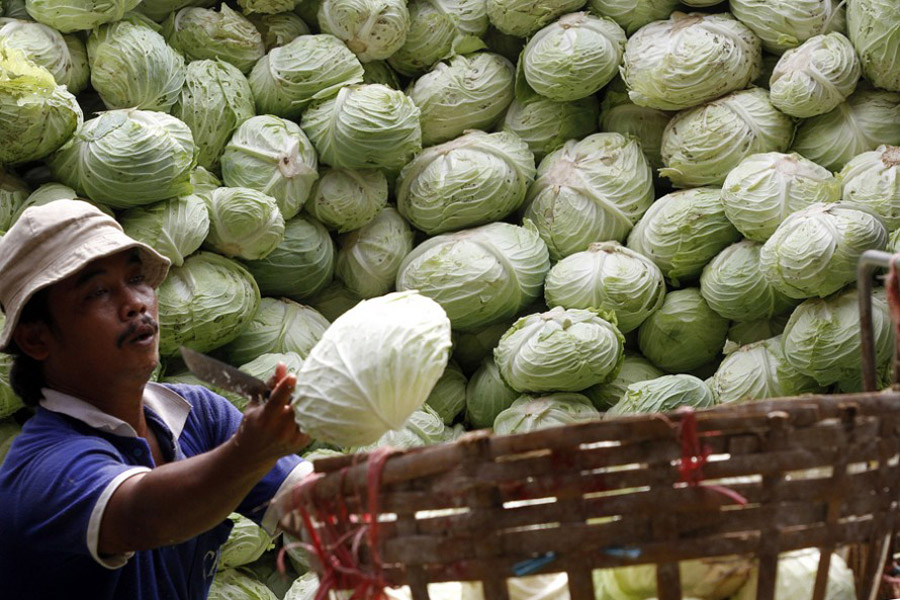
(125, 402)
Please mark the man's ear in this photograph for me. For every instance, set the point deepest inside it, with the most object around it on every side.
(32, 339)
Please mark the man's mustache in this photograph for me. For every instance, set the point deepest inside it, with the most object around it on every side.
(133, 327)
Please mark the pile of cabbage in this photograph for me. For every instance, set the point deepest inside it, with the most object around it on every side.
(620, 205)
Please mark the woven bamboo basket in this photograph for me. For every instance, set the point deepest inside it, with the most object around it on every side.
(751, 480)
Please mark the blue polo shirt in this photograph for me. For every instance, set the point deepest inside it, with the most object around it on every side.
(61, 471)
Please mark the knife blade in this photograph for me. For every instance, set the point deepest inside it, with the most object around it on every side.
(224, 375)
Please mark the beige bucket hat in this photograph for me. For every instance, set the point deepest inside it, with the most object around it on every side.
(51, 242)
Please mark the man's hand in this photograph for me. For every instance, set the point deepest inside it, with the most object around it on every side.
(269, 430)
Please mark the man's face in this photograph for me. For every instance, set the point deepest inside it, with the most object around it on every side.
(105, 324)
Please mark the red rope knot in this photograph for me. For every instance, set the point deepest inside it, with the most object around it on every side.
(695, 455)
(336, 536)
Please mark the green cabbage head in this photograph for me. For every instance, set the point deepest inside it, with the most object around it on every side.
(346, 199)
(701, 145)
(480, 276)
(758, 371)
(128, 157)
(67, 16)
(573, 57)
(872, 180)
(685, 333)
(368, 126)
(232, 584)
(243, 223)
(9, 401)
(280, 325)
(487, 395)
(564, 350)
(466, 92)
(796, 577)
(683, 231)
(667, 64)
(521, 18)
(373, 367)
(205, 303)
(734, 286)
(301, 265)
(309, 67)
(589, 190)
(278, 29)
(13, 193)
(531, 413)
(133, 67)
(868, 119)
(874, 28)
(634, 368)
(619, 114)
(546, 125)
(711, 578)
(448, 397)
(36, 115)
(784, 25)
(815, 251)
(631, 15)
(372, 29)
(202, 33)
(763, 189)
(246, 543)
(273, 156)
(610, 277)
(821, 339)
(175, 228)
(65, 56)
(475, 179)
(815, 77)
(663, 394)
(369, 258)
(214, 101)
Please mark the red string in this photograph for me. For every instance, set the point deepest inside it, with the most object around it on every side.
(336, 536)
(695, 455)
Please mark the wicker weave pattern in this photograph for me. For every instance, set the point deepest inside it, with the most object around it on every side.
(816, 471)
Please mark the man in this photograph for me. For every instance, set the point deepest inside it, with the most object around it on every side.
(116, 487)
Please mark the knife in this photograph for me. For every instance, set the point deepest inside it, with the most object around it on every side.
(224, 375)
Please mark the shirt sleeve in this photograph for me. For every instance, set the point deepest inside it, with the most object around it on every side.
(74, 482)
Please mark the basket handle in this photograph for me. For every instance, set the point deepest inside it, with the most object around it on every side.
(868, 262)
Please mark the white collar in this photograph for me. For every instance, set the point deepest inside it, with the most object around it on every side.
(168, 405)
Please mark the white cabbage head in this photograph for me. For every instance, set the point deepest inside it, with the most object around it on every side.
(872, 180)
(609, 277)
(278, 29)
(702, 144)
(367, 126)
(663, 394)
(787, 24)
(868, 119)
(128, 157)
(273, 156)
(132, 66)
(815, 77)
(573, 57)
(475, 179)
(683, 231)
(796, 578)
(734, 286)
(589, 190)
(175, 228)
(874, 29)
(480, 276)
(815, 251)
(764, 189)
(685, 333)
(466, 92)
(821, 339)
(546, 125)
(564, 350)
(667, 63)
(243, 223)
(634, 368)
(372, 29)
(77, 15)
(619, 114)
(373, 367)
